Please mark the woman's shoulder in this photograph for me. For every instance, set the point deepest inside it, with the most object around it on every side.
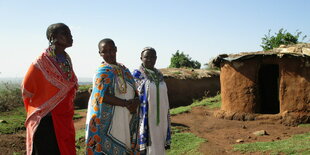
(105, 68)
(158, 71)
(122, 66)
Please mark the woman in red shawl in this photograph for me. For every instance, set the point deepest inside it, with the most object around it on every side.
(48, 91)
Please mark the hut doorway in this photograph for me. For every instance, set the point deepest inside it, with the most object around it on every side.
(269, 89)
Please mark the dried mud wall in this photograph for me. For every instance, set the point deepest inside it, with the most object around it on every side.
(238, 86)
(81, 99)
(182, 92)
(240, 90)
(294, 85)
(240, 94)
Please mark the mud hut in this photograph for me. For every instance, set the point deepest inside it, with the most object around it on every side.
(275, 82)
(186, 85)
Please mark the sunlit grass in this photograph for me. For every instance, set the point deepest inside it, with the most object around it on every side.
(184, 142)
(298, 144)
(211, 102)
(12, 121)
(304, 125)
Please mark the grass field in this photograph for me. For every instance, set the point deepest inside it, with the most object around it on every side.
(212, 102)
(12, 121)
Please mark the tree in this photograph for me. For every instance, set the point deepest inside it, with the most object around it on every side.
(281, 38)
(179, 60)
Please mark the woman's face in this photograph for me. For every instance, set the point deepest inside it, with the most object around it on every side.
(64, 38)
(108, 52)
(148, 59)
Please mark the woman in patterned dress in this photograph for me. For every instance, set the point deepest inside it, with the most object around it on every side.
(111, 117)
(154, 124)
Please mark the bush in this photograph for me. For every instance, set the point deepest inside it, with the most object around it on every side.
(281, 38)
(179, 60)
(10, 96)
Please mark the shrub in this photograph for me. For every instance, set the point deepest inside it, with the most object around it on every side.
(179, 60)
(10, 96)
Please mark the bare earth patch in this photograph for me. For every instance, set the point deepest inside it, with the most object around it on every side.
(221, 134)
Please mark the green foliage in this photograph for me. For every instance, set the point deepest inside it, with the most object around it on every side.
(281, 38)
(179, 60)
(12, 121)
(212, 102)
(304, 125)
(184, 143)
(10, 96)
(83, 88)
(298, 144)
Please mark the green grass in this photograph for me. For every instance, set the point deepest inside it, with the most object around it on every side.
(184, 142)
(77, 115)
(84, 87)
(298, 144)
(80, 141)
(14, 119)
(304, 125)
(177, 72)
(212, 102)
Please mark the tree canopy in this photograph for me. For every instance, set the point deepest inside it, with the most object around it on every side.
(180, 60)
(281, 38)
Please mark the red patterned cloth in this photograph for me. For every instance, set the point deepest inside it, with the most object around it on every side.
(46, 90)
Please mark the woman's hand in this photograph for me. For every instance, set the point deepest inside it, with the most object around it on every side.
(132, 105)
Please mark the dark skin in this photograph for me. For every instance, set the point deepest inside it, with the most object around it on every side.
(148, 58)
(63, 39)
(108, 51)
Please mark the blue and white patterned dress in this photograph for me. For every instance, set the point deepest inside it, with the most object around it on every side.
(154, 118)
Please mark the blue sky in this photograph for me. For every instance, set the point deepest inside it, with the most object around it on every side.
(202, 29)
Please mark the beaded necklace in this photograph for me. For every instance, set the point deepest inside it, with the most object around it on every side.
(155, 75)
(63, 62)
(120, 78)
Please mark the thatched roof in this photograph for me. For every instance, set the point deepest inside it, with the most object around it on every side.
(298, 50)
(185, 73)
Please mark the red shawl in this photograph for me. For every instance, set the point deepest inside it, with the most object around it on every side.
(45, 89)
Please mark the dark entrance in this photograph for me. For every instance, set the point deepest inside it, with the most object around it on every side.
(269, 89)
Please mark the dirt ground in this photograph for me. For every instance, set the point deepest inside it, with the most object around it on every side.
(220, 134)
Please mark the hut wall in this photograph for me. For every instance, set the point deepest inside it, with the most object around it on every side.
(239, 96)
(294, 84)
(182, 92)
